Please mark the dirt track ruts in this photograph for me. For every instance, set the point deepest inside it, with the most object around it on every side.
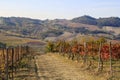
(52, 67)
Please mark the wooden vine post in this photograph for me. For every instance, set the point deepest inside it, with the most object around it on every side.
(15, 58)
(85, 53)
(6, 64)
(100, 62)
(110, 52)
(12, 63)
(18, 52)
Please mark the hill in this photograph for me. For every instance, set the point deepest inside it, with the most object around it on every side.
(110, 21)
(45, 29)
(85, 20)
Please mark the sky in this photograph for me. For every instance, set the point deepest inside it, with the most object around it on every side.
(62, 9)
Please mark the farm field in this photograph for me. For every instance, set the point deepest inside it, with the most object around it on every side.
(54, 66)
(100, 57)
(13, 40)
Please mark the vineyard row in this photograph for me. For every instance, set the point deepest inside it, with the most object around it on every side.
(88, 52)
(9, 60)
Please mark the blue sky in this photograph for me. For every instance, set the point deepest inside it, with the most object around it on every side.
(52, 9)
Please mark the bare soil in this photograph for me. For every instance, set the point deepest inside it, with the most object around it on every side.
(55, 67)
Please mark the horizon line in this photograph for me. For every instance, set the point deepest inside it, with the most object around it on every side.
(57, 18)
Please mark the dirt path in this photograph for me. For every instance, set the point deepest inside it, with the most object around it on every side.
(53, 67)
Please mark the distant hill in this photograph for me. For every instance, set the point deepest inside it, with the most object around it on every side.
(111, 21)
(44, 29)
(85, 20)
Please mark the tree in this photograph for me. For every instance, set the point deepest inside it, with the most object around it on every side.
(50, 47)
